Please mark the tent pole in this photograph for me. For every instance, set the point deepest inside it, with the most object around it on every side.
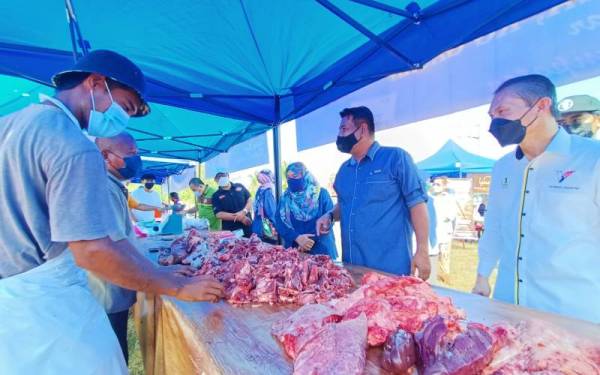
(277, 150)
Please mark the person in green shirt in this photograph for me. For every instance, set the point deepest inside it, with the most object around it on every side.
(203, 195)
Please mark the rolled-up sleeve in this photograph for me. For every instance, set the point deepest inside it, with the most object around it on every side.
(407, 176)
(490, 244)
(77, 196)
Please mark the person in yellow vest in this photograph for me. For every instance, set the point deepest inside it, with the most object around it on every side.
(204, 208)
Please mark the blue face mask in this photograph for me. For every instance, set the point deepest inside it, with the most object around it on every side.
(109, 123)
(132, 168)
(296, 184)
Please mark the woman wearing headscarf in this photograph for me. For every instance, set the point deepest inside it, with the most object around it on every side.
(302, 204)
(264, 208)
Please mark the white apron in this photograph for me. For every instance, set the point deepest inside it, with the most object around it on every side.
(51, 324)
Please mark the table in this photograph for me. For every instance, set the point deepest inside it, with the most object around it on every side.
(218, 338)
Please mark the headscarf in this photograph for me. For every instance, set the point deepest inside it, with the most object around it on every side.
(265, 179)
(302, 205)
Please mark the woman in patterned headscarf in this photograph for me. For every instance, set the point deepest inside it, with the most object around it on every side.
(264, 208)
(301, 205)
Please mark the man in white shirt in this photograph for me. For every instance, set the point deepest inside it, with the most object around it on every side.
(544, 207)
(145, 195)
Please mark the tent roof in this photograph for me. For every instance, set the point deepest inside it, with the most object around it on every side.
(257, 60)
(446, 160)
(162, 169)
(168, 132)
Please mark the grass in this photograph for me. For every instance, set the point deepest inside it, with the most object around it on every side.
(136, 365)
(463, 271)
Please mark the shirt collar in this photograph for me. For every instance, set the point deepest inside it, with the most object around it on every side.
(560, 144)
(370, 154)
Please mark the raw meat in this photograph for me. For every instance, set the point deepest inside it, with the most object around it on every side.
(379, 315)
(294, 331)
(444, 350)
(542, 349)
(399, 353)
(337, 348)
(256, 272)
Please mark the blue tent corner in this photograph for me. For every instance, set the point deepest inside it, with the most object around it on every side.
(452, 160)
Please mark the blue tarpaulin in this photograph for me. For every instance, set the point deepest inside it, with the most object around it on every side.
(261, 61)
(452, 160)
(561, 43)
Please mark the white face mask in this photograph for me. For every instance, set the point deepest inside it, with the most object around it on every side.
(223, 181)
(109, 123)
(198, 194)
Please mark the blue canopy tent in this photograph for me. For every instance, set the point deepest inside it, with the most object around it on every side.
(163, 169)
(260, 61)
(453, 161)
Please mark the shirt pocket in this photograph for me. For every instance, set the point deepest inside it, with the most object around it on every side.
(379, 188)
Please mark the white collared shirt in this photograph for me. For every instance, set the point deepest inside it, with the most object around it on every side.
(543, 227)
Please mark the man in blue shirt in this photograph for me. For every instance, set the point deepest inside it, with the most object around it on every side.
(380, 201)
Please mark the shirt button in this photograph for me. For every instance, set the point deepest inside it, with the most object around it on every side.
(526, 191)
(520, 258)
(522, 235)
(531, 169)
(520, 280)
(523, 214)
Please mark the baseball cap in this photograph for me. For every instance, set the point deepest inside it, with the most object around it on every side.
(113, 66)
(579, 103)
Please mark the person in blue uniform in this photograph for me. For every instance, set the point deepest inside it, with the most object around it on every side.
(302, 204)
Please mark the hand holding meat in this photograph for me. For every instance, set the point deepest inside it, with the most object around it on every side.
(420, 262)
(200, 288)
(482, 286)
(305, 243)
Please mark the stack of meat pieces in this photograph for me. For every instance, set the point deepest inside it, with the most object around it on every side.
(423, 331)
(256, 272)
(386, 303)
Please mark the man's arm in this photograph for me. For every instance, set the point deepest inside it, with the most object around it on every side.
(147, 207)
(420, 223)
(121, 264)
(325, 222)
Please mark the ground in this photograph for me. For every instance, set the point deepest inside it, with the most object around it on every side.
(463, 267)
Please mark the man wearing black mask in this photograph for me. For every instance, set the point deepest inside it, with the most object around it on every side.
(146, 195)
(543, 213)
(580, 115)
(381, 200)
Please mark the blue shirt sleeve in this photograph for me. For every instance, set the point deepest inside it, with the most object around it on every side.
(288, 234)
(408, 178)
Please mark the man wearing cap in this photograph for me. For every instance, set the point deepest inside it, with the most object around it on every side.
(543, 212)
(51, 323)
(381, 200)
(232, 204)
(580, 115)
(204, 208)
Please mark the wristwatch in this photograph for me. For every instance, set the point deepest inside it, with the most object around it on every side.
(245, 211)
(330, 213)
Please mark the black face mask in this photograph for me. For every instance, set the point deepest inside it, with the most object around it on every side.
(510, 132)
(149, 185)
(345, 143)
(580, 129)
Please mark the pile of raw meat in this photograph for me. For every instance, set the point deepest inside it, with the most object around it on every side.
(256, 272)
(420, 330)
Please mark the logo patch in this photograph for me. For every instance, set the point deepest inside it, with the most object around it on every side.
(238, 189)
(565, 105)
(564, 175)
(221, 196)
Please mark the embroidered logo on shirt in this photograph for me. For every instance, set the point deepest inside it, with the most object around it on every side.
(221, 196)
(238, 189)
(564, 175)
(505, 181)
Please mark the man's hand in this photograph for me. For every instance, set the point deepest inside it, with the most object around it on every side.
(420, 263)
(482, 286)
(182, 270)
(305, 242)
(324, 224)
(199, 288)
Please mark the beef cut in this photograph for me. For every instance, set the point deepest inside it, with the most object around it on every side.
(255, 272)
(400, 353)
(336, 348)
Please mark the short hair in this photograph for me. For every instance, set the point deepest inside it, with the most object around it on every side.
(361, 113)
(532, 88)
(174, 195)
(196, 181)
(221, 174)
(148, 176)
